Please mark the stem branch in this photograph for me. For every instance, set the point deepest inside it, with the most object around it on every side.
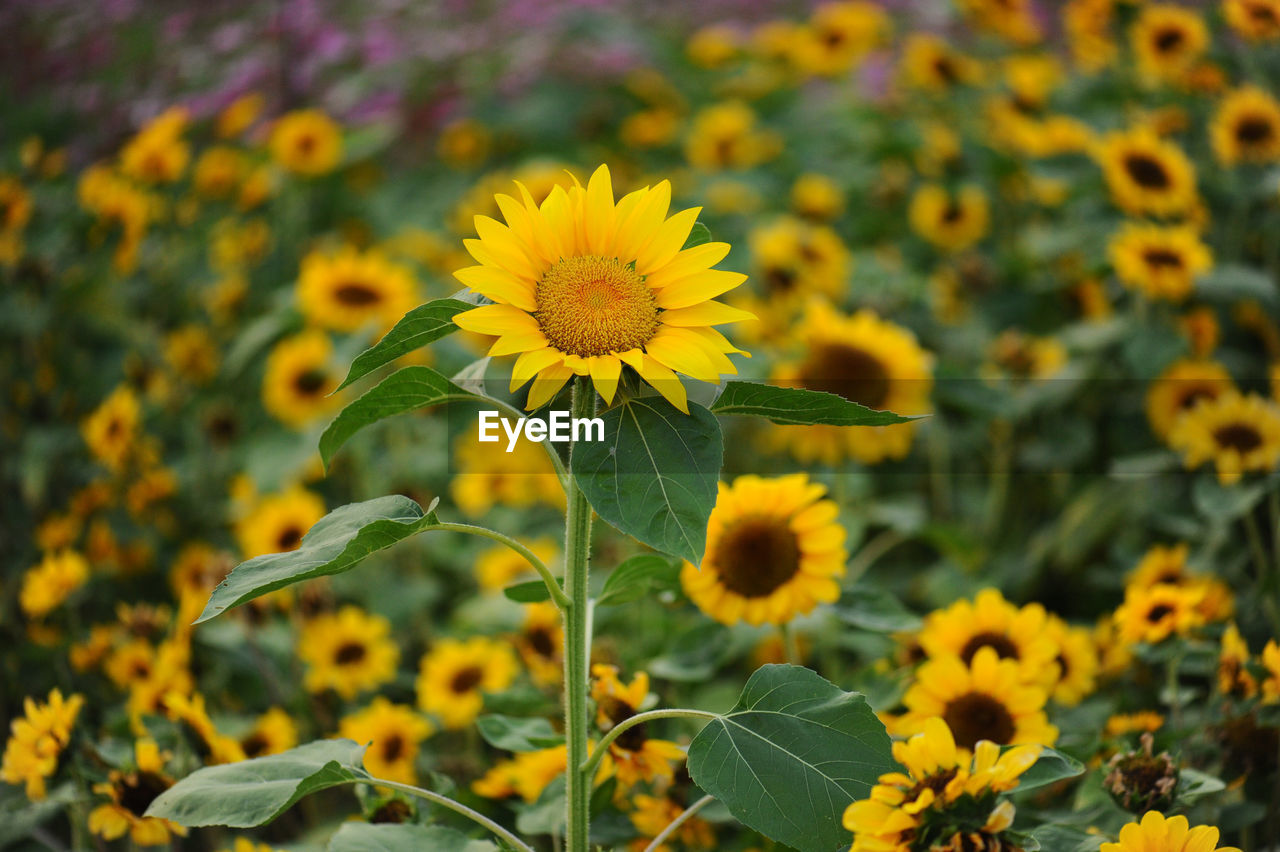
(684, 817)
(602, 748)
(458, 808)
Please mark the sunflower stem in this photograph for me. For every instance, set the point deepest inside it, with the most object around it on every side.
(675, 824)
(553, 585)
(458, 808)
(590, 765)
(577, 653)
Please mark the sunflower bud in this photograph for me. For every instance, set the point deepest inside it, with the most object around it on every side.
(1139, 781)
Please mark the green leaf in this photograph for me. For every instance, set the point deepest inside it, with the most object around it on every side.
(1051, 767)
(654, 475)
(698, 235)
(1061, 838)
(254, 792)
(547, 815)
(336, 543)
(363, 837)
(798, 407)
(407, 389)
(1194, 784)
(530, 591)
(1234, 282)
(516, 734)
(791, 756)
(869, 608)
(415, 329)
(1225, 503)
(636, 577)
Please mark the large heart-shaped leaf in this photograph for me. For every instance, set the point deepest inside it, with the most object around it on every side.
(1052, 766)
(637, 577)
(407, 389)
(793, 753)
(254, 792)
(654, 474)
(337, 543)
(415, 329)
(364, 837)
(798, 407)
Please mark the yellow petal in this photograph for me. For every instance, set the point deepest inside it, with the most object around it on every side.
(705, 313)
(496, 319)
(499, 285)
(668, 348)
(698, 288)
(524, 341)
(547, 385)
(598, 212)
(666, 243)
(638, 228)
(688, 262)
(665, 382)
(530, 363)
(483, 253)
(605, 372)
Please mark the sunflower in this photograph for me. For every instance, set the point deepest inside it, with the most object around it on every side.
(1167, 40)
(464, 143)
(218, 172)
(774, 551)
(985, 700)
(726, 136)
(37, 738)
(1013, 20)
(839, 35)
(454, 675)
(277, 522)
(1246, 127)
(584, 286)
(989, 621)
(1161, 262)
(191, 711)
(539, 177)
(1239, 434)
(273, 732)
(393, 732)
(541, 643)
(1154, 613)
(1271, 661)
(636, 756)
(498, 566)
(1155, 833)
(48, 584)
(526, 775)
(191, 353)
(298, 379)
(1145, 174)
(1021, 357)
(349, 651)
(1255, 20)
(15, 205)
(929, 63)
(131, 794)
(522, 478)
(1168, 565)
(1077, 661)
(1122, 724)
(650, 815)
(863, 359)
(347, 289)
(1177, 390)
(158, 154)
(816, 197)
(112, 427)
(951, 221)
(306, 142)
(1234, 678)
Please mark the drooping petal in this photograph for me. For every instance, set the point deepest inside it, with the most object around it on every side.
(547, 385)
(605, 371)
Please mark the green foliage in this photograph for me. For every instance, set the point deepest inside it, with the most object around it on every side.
(797, 406)
(1052, 766)
(362, 837)
(416, 329)
(515, 734)
(636, 577)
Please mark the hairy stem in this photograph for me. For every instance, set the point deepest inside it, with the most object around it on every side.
(602, 748)
(458, 808)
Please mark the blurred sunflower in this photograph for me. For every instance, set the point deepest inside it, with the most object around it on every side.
(1246, 127)
(498, 566)
(1013, 20)
(1154, 613)
(522, 478)
(48, 584)
(1145, 174)
(584, 286)
(951, 221)
(1156, 833)
(112, 427)
(1271, 662)
(37, 739)
(1239, 434)
(839, 35)
(1256, 20)
(816, 197)
(1021, 357)
(239, 115)
(454, 675)
(349, 651)
(1167, 40)
(272, 732)
(526, 775)
(930, 63)
(726, 136)
(277, 522)
(1122, 724)
(192, 354)
(793, 261)
(1177, 390)
(393, 732)
(985, 700)
(863, 359)
(1234, 677)
(306, 142)
(218, 171)
(989, 621)
(650, 815)
(1161, 262)
(541, 643)
(131, 794)
(299, 377)
(774, 551)
(347, 289)
(1168, 565)
(1077, 661)
(158, 153)
(636, 756)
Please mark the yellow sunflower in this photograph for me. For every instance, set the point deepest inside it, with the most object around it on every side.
(526, 775)
(191, 353)
(522, 478)
(583, 286)
(636, 756)
(393, 732)
(816, 197)
(112, 427)
(158, 153)
(1255, 20)
(131, 794)
(989, 621)
(349, 651)
(273, 732)
(47, 585)
(1167, 40)
(1156, 833)
(1020, 357)
(1077, 661)
(1145, 174)
(952, 221)
(727, 136)
(929, 63)
(863, 359)
(276, 523)
(839, 35)
(348, 289)
(499, 566)
(1168, 565)
(218, 172)
(1154, 613)
(306, 142)
(1013, 20)
(1239, 434)
(1177, 390)
(298, 378)
(1246, 127)
(455, 674)
(1271, 661)
(774, 551)
(541, 643)
(1161, 262)
(1234, 677)
(37, 739)
(985, 700)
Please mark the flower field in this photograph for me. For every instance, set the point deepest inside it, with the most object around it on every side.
(918, 365)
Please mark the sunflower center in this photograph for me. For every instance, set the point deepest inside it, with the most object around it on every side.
(946, 70)
(466, 679)
(1193, 395)
(595, 305)
(780, 279)
(349, 653)
(977, 716)
(1168, 40)
(1157, 613)
(1147, 171)
(305, 143)
(289, 539)
(254, 745)
(1064, 666)
(757, 555)
(1162, 259)
(392, 748)
(951, 213)
(310, 382)
(997, 642)
(1254, 130)
(139, 790)
(1240, 437)
(356, 294)
(937, 782)
(847, 371)
(540, 641)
